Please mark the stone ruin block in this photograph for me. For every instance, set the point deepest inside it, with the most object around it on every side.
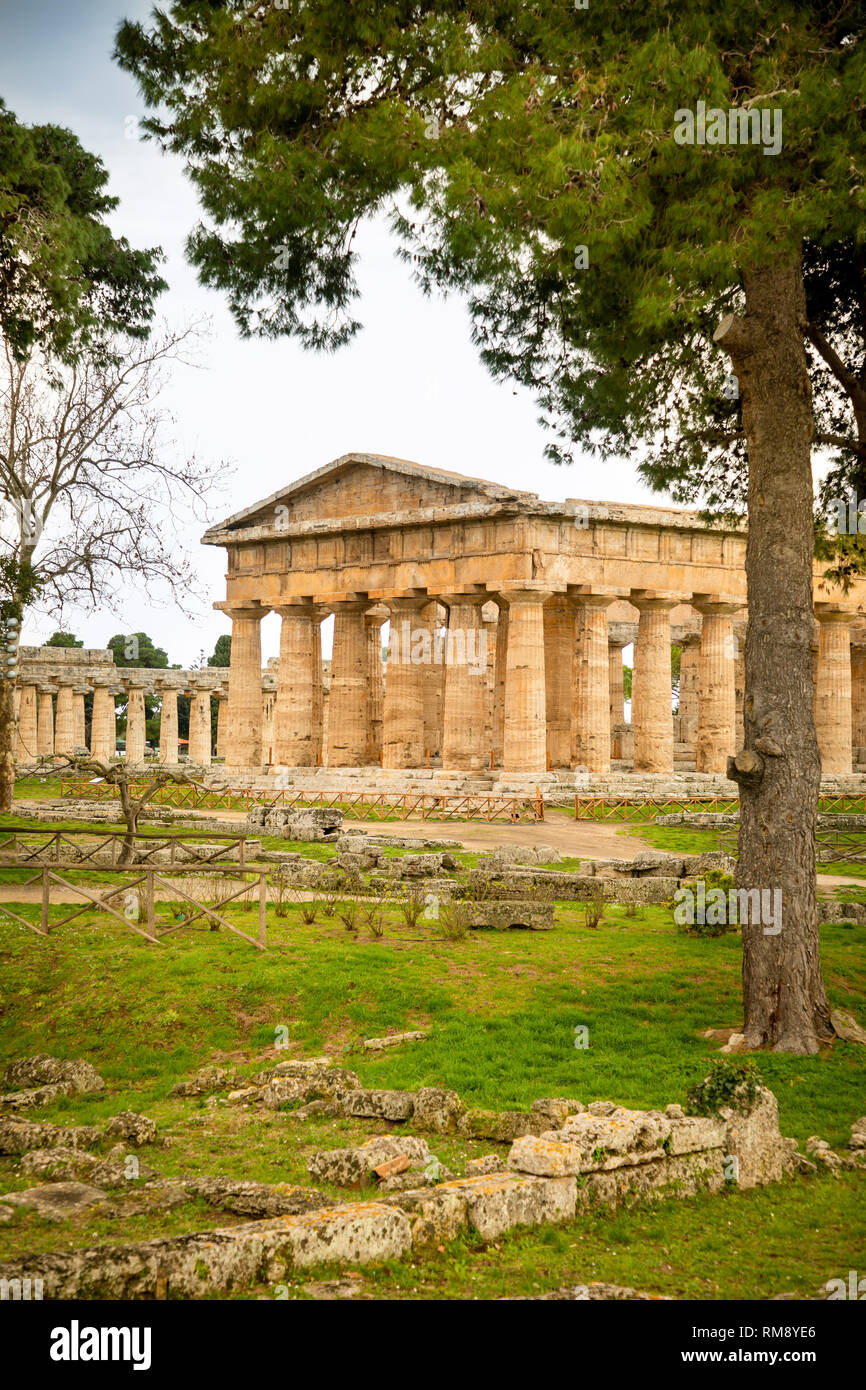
(489, 1204)
(505, 916)
(762, 1154)
(302, 823)
(220, 1260)
(20, 1136)
(501, 1125)
(379, 1105)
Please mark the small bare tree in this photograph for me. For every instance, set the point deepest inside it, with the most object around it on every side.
(91, 484)
(121, 775)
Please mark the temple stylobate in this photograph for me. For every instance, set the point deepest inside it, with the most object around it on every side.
(508, 616)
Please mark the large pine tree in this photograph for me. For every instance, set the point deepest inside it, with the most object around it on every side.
(644, 274)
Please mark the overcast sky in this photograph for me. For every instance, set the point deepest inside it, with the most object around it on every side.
(410, 385)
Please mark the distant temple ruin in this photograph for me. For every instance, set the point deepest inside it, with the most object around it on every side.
(508, 617)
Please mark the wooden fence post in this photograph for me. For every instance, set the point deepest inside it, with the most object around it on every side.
(149, 904)
(263, 904)
(45, 926)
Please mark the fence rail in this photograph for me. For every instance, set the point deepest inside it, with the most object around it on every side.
(139, 891)
(637, 808)
(354, 805)
(831, 846)
(24, 844)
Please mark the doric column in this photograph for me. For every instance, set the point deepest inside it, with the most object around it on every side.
(651, 712)
(489, 630)
(616, 688)
(717, 701)
(592, 676)
(466, 659)
(525, 739)
(27, 725)
(319, 616)
(690, 685)
(858, 696)
(294, 744)
(79, 720)
(348, 700)
(409, 654)
(222, 697)
(559, 659)
(269, 699)
(103, 729)
(501, 668)
(373, 625)
(64, 732)
(136, 733)
(168, 725)
(45, 722)
(245, 685)
(833, 688)
(740, 683)
(200, 727)
(433, 618)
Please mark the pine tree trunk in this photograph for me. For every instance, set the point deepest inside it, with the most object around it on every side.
(779, 771)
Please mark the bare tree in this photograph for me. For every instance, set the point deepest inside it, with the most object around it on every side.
(92, 485)
(121, 775)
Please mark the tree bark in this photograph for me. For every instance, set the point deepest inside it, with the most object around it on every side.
(779, 771)
(7, 744)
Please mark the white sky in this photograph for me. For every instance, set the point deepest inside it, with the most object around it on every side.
(410, 385)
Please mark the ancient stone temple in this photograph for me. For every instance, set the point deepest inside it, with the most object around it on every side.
(508, 616)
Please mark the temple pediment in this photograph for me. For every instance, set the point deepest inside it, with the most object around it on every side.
(362, 485)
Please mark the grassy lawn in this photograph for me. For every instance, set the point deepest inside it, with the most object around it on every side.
(502, 1009)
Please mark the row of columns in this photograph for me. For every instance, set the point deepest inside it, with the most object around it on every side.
(42, 730)
(555, 679)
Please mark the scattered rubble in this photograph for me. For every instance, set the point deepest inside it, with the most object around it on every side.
(42, 1070)
(135, 1129)
(395, 1040)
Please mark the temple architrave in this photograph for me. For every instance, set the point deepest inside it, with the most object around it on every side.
(508, 619)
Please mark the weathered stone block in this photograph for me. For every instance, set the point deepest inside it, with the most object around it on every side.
(503, 915)
(696, 1132)
(437, 1110)
(501, 1125)
(557, 1109)
(379, 1105)
(19, 1136)
(755, 1141)
(56, 1201)
(43, 1070)
(237, 1257)
(623, 1131)
(132, 1128)
(497, 1203)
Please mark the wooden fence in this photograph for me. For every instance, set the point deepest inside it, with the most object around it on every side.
(353, 805)
(648, 807)
(24, 845)
(139, 889)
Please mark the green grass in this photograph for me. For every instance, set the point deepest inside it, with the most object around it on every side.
(502, 1008)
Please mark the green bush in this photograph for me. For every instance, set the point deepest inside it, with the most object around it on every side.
(728, 1083)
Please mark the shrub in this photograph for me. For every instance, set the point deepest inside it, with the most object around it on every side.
(453, 921)
(594, 910)
(309, 912)
(349, 913)
(412, 905)
(375, 921)
(730, 1083)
